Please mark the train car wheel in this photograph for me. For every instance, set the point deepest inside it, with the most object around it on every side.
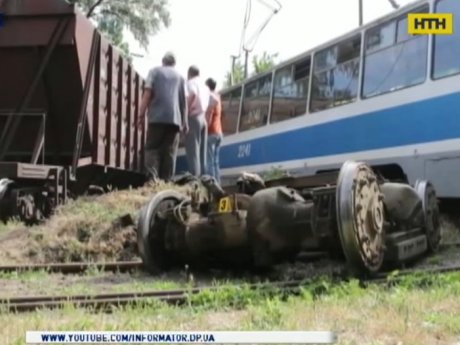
(151, 230)
(360, 217)
(4, 184)
(5, 204)
(426, 192)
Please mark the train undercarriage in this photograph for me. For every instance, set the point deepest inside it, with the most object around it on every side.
(31, 192)
(356, 216)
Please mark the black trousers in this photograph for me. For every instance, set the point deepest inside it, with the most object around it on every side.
(161, 150)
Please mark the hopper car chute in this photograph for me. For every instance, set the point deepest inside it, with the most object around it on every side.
(69, 104)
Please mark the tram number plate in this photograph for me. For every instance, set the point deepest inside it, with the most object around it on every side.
(225, 205)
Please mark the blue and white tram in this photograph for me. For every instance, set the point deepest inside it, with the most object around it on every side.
(376, 94)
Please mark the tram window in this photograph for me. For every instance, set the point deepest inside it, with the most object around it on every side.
(381, 38)
(290, 91)
(256, 103)
(402, 34)
(230, 110)
(335, 76)
(398, 64)
(447, 47)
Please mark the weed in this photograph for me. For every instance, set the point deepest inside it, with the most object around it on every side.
(274, 173)
(412, 312)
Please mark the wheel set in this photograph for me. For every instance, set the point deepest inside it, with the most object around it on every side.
(287, 220)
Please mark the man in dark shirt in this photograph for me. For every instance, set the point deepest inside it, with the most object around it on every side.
(165, 99)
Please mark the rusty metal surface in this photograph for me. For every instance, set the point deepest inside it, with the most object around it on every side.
(15, 170)
(14, 118)
(361, 217)
(21, 304)
(23, 8)
(328, 178)
(39, 15)
(85, 82)
(322, 179)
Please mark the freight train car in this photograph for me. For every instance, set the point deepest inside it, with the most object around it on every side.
(69, 104)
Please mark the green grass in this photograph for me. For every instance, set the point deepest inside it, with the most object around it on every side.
(419, 310)
(90, 282)
(28, 275)
(275, 172)
(11, 225)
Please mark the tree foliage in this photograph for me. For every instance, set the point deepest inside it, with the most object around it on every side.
(143, 18)
(260, 64)
(263, 63)
(238, 75)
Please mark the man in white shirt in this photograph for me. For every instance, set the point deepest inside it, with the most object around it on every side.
(196, 139)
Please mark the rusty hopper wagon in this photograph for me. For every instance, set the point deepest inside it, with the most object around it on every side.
(68, 109)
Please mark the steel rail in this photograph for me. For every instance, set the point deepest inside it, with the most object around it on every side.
(124, 266)
(395, 276)
(23, 304)
(75, 267)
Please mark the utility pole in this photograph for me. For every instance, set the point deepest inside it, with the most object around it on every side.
(232, 78)
(246, 61)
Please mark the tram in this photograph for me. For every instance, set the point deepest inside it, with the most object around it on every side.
(376, 94)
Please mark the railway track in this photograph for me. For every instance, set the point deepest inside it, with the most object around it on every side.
(126, 266)
(177, 297)
(389, 278)
(80, 267)
(22, 304)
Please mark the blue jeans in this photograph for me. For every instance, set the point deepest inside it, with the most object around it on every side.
(214, 142)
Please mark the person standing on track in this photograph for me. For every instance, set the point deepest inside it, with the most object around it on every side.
(196, 139)
(215, 135)
(165, 99)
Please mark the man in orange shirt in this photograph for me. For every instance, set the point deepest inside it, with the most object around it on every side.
(215, 136)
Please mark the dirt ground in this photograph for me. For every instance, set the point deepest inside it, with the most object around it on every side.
(93, 282)
(99, 228)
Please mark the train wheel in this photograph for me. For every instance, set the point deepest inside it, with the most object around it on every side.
(426, 192)
(360, 217)
(5, 204)
(151, 230)
(4, 184)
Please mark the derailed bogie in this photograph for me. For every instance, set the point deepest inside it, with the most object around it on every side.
(279, 220)
(30, 202)
(282, 222)
(431, 215)
(173, 232)
(154, 220)
(406, 238)
(383, 222)
(362, 218)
